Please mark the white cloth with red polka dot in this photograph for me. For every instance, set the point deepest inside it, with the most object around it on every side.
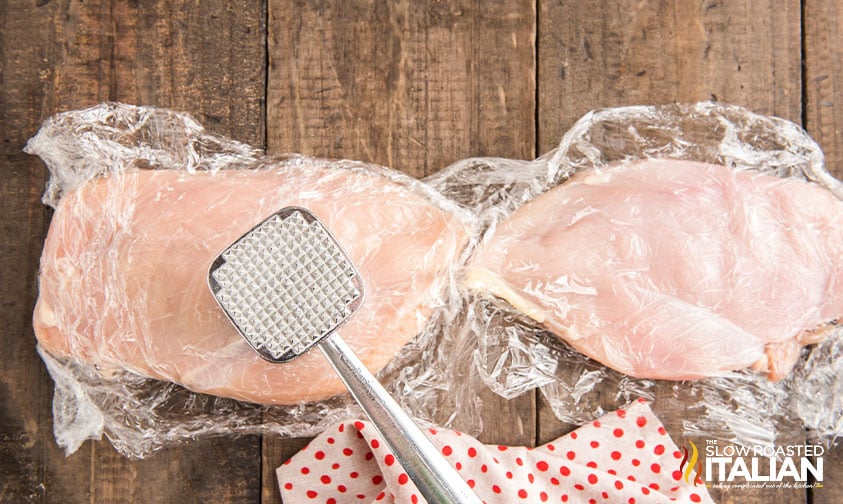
(624, 457)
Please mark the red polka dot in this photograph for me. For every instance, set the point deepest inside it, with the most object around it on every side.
(630, 477)
(639, 443)
(305, 470)
(472, 452)
(496, 489)
(458, 465)
(592, 501)
(592, 479)
(618, 432)
(369, 456)
(288, 486)
(595, 444)
(403, 478)
(414, 499)
(631, 500)
(543, 496)
(592, 464)
(612, 472)
(636, 462)
(531, 478)
(331, 500)
(565, 471)
(341, 488)
(502, 448)
(673, 489)
(470, 483)
(642, 400)
(564, 498)
(573, 435)
(654, 486)
(656, 468)
(446, 450)
(330, 440)
(389, 460)
(541, 465)
(621, 413)
(662, 431)
(677, 475)
(325, 479)
(335, 466)
(433, 431)
(694, 497)
(375, 443)
(616, 455)
(658, 450)
(677, 455)
(605, 495)
(596, 423)
(495, 459)
(619, 484)
(319, 455)
(359, 425)
(641, 421)
(550, 447)
(645, 490)
(311, 494)
(341, 427)
(522, 493)
(347, 452)
(353, 474)
(484, 468)
(519, 461)
(377, 479)
(380, 496)
(579, 487)
(509, 474)
(571, 455)
(361, 496)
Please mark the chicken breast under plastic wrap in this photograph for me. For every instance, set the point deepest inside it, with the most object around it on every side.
(674, 269)
(123, 281)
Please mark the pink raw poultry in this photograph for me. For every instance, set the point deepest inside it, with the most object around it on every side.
(674, 269)
(123, 282)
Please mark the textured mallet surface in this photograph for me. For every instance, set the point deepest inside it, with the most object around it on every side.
(286, 284)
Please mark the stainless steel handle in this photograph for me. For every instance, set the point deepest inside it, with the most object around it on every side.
(437, 481)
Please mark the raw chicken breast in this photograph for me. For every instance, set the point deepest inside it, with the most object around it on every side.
(674, 269)
(123, 281)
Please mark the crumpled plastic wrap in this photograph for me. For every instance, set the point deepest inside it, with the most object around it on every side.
(465, 339)
(514, 354)
(145, 200)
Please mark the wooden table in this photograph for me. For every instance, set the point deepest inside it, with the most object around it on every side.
(411, 85)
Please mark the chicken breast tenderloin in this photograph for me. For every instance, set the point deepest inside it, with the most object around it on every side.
(123, 280)
(674, 269)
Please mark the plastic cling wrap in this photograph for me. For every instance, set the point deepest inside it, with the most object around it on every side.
(145, 200)
(676, 242)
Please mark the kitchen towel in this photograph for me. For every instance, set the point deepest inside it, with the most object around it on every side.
(624, 457)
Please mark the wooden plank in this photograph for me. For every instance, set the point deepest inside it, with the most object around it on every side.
(608, 53)
(823, 54)
(32, 467)
(410, 85)
(208, 61)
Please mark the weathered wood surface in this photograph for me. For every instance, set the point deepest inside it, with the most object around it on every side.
(64, 55)
(410, 85)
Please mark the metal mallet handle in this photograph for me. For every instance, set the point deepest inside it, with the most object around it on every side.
(437, 481)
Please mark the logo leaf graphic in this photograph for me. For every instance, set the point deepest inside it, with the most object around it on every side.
(691, 463)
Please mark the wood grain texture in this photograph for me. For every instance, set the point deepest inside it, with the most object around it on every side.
(32, 467)
(608, 53)
(410, 85)
(823, 54)
(824, 79)
(207, 60)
